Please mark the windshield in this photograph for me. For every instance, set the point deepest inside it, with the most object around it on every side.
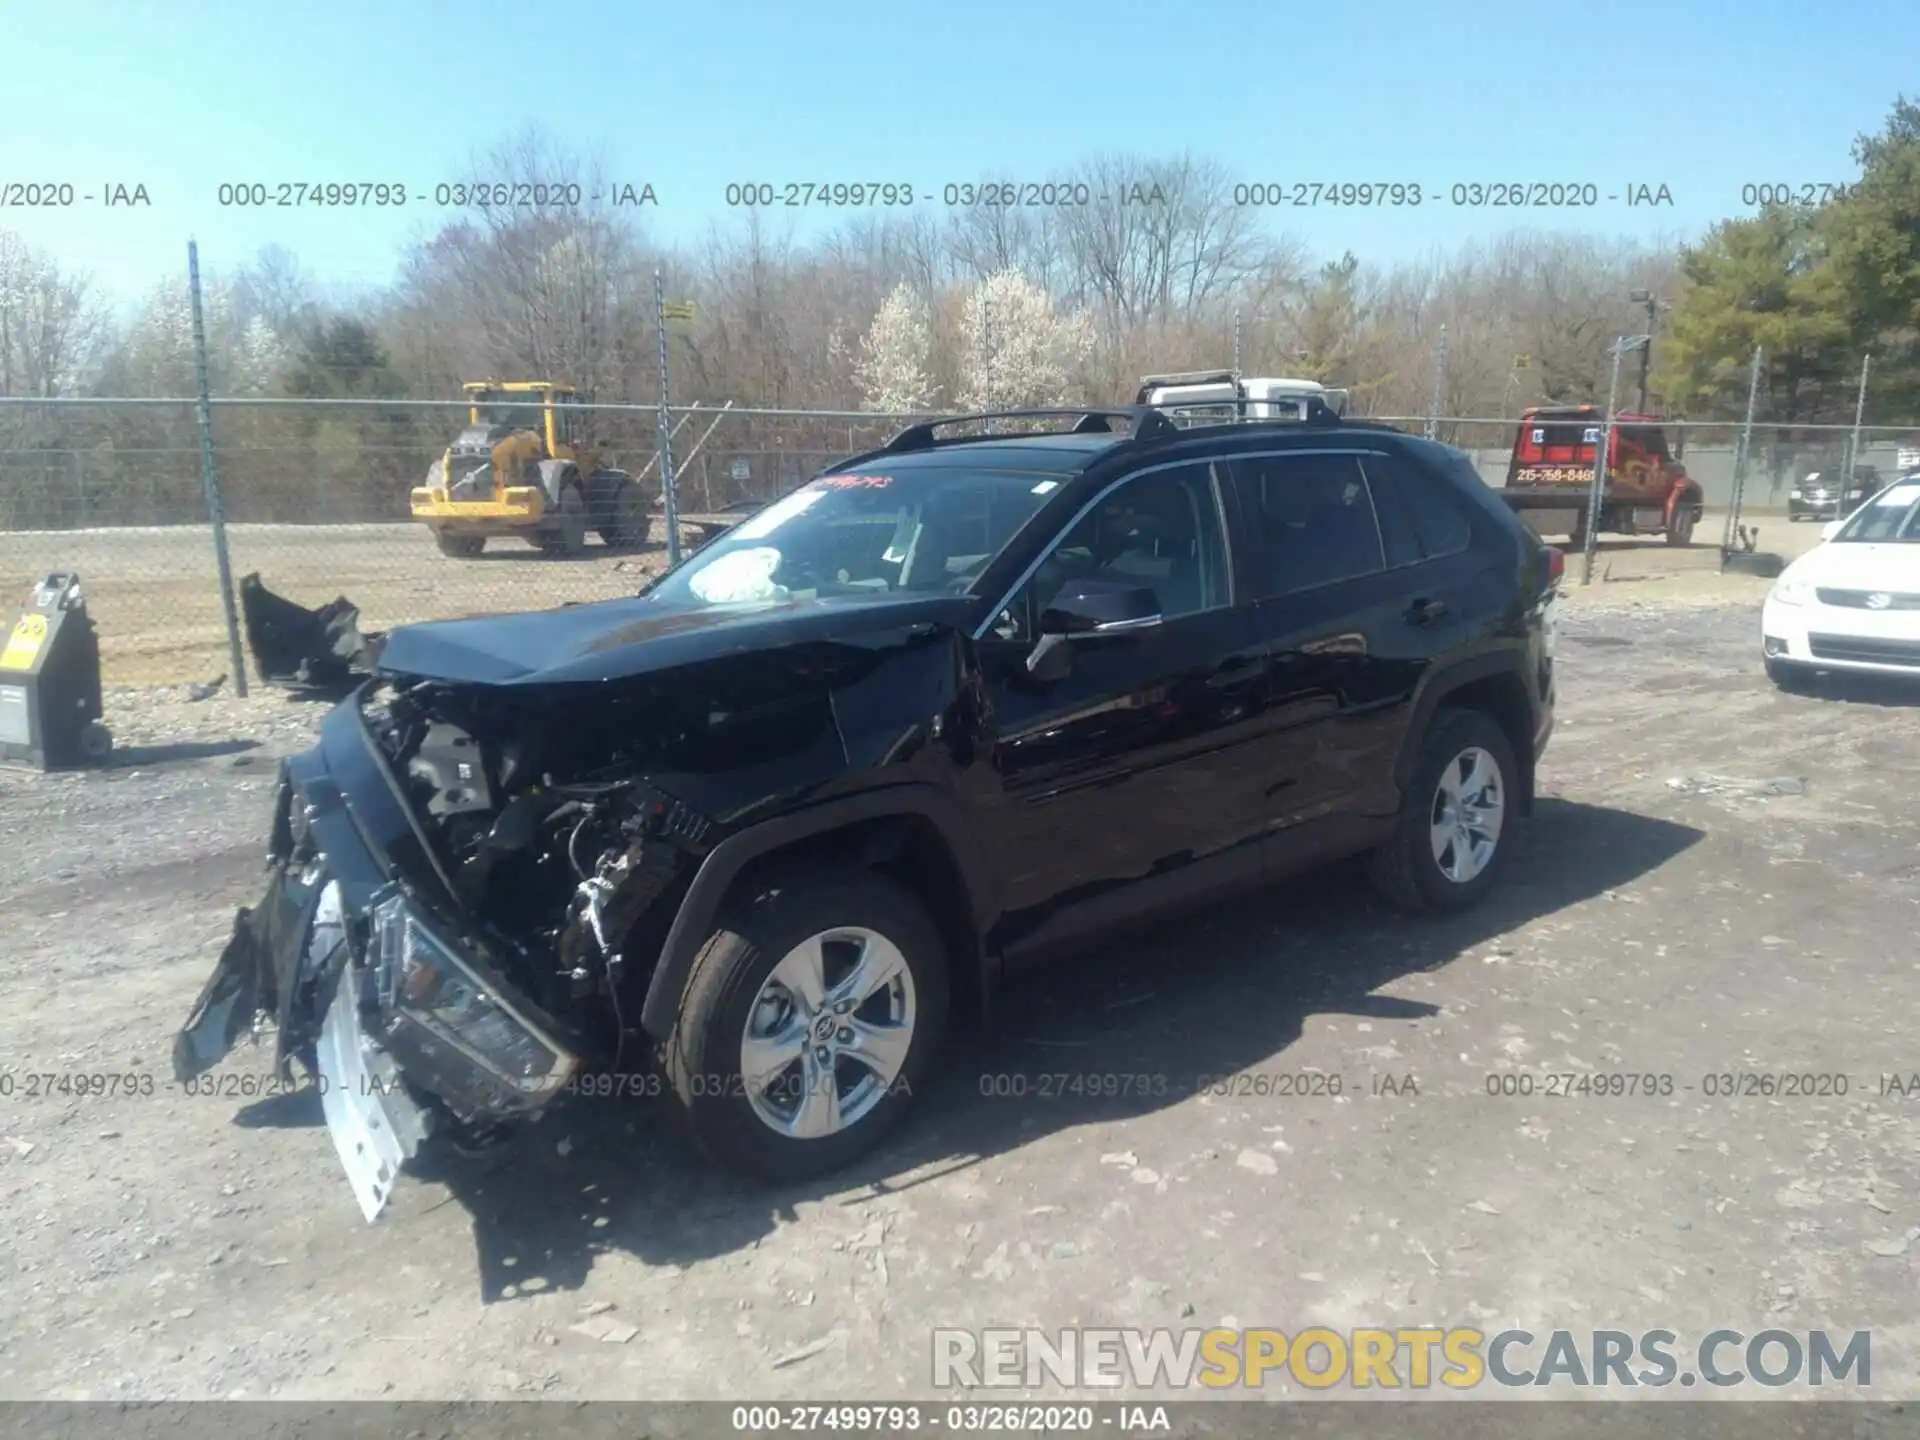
(522, 410)
(924, 529)
(1892, 516)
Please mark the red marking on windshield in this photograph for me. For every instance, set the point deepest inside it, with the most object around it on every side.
(852, 482)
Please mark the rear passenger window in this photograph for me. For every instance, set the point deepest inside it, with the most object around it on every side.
(1312, 517)
(1426, 501)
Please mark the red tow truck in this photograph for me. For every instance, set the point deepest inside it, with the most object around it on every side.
(1550, 477)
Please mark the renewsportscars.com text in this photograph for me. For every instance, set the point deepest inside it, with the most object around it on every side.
(1460, 1358)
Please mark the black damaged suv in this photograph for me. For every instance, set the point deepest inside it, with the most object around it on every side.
(947, 707)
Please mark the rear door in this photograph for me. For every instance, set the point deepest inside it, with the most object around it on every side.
(1348, 617)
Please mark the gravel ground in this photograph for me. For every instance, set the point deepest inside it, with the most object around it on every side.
(1720, 878)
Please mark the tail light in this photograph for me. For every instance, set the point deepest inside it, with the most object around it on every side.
(1556, 565)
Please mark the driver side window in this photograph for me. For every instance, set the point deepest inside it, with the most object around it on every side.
(1161, 530)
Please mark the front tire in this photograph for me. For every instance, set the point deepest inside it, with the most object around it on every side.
(810, 1018)
(1452, 833)
(569, 533)
(459, 547)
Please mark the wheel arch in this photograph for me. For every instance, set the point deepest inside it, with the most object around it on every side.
(1492, 684)
(915, 834)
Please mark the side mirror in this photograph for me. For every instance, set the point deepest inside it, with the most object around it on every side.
(1831, 529)
(1100, 607)
(1088, 609)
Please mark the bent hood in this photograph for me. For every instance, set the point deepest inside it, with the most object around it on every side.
(613, 639)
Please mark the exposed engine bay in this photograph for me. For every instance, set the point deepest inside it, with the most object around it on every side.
(550, 825)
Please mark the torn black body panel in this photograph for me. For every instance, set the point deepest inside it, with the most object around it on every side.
(319, 650)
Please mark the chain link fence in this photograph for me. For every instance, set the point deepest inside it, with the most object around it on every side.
(316, 501)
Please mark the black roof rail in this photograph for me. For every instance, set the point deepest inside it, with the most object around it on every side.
(1147, 422)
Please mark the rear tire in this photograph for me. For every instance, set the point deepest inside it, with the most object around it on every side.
(459, 547)
(1680, 527)
(620, 513)
(1413, 871)
(725, 1009)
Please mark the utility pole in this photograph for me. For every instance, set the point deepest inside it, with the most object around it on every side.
(1652, 302)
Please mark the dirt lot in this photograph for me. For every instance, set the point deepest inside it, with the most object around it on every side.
(1720, 879)
(155, 593)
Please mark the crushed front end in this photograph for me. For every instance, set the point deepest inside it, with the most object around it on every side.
(439, 947)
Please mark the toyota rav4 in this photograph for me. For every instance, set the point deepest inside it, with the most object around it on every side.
(951, 706)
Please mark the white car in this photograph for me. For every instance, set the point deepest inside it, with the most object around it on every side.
(1852, 603)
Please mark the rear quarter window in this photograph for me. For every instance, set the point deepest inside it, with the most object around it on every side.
(1428, 503)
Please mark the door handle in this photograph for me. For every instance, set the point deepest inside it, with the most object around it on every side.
(1425, 612)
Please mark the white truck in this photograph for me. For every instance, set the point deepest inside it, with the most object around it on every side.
(1212, 397)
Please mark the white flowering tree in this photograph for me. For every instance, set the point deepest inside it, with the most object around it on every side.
(1016, 349)
(243, 356)
(50, 329)
(892, 368)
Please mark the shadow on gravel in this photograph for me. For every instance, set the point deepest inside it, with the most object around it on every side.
(181, 750)
(1884, 690)
(1204, 996)
(296, 1109)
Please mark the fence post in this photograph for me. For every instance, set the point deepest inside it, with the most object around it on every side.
(1439, 374)
(1741, 449)
(670, 500)
(1853, 440)
(209, 476)
(1602, 451)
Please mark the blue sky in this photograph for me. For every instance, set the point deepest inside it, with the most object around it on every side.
(1701, 96)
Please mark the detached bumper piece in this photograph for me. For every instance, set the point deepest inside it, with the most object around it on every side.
(320, 650)
(375, 1124)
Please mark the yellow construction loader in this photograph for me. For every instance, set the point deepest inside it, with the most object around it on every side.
(525, 466)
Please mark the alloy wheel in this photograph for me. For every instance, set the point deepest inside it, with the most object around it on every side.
(828, 1033)
(1469, 805)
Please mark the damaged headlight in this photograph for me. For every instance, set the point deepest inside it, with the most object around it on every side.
(423, 978)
